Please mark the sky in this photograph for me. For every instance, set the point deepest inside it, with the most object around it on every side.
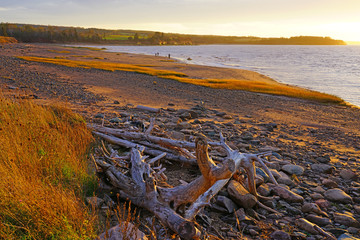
(339, 19)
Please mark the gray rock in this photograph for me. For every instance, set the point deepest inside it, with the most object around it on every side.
(337, 195)
(115, 120)
(347, 174)
(99, 115)
(321, 221)
(261, 172)
(329, 183)
(293, 169)
(125, 230)
(322, 168)
(280, 235)
(95, 201)
(324, 159)
(346, 219)
(286, 194)
(227, 203)
(347, 236)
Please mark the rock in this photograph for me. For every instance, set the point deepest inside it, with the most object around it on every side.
(125, 230)
(346, 219)
(329, 183)
(347, 174)
(353, 230)
(116, 102)
(322, 203)
(263, 174)
(95, 202)
(337, 195)
(99, 115)
(240, 195)
(312, 207)
(293, 169)
(177, 135)
(286, 194)
(347, 236)
(115, 120)
(247, 136)
(263, 190)
(275, 173)
(280, 235)
(285, 179)
(242, 217)
(227, 203)
(321, 221)
(316, 196)
(324, 159)
(184, 125)
(357, 209)
(306, 225)
(322, 168)
(269, 149)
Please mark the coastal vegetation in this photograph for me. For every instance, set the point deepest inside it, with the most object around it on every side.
(4, 40)
(268, 87)
(44, 173)
(56, 34)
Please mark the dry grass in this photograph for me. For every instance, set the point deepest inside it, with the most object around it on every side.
(268, 87)
(43, 173)
(7, 40)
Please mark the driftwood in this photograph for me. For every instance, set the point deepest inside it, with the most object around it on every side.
(176, 206)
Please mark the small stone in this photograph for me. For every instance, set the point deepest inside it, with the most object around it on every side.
(321, 221)
(125, 230)
(306, 225)
(227, 203)
(116, 102)
(263, 190)
(95, 201)
(353, 230)
(322, 168)
(184, 125)
(286, 194)
(293, 169)
(324, 159)
(316, 196)
(253, 232)
(312, 207)
(337, 195)
(99, 115)
(242, 217)
(346, 219)
(280, 235)
(322, 203)
(329, 183)
(115, 120)
(347, 174)
(347, 236)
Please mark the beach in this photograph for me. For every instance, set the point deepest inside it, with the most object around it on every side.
(322, 139)
(89, 85)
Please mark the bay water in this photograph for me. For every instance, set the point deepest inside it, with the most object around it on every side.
(330, 69)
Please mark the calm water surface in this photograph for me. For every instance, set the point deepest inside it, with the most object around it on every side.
(330, 69)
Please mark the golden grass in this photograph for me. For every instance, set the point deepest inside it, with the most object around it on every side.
(43, 173)
(7, 40)
(108, 66)
(268, 87)
(56, 51)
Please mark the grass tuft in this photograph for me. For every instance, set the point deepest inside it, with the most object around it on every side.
(43, 173)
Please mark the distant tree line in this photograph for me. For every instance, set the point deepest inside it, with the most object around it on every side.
(54, 34)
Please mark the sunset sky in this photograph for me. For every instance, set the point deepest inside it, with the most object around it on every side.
(339, 19)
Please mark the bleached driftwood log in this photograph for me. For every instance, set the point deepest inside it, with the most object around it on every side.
(165, 202)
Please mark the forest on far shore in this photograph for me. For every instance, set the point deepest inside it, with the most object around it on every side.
(57, 34)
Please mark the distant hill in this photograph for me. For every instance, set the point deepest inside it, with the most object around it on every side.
(59, 34)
